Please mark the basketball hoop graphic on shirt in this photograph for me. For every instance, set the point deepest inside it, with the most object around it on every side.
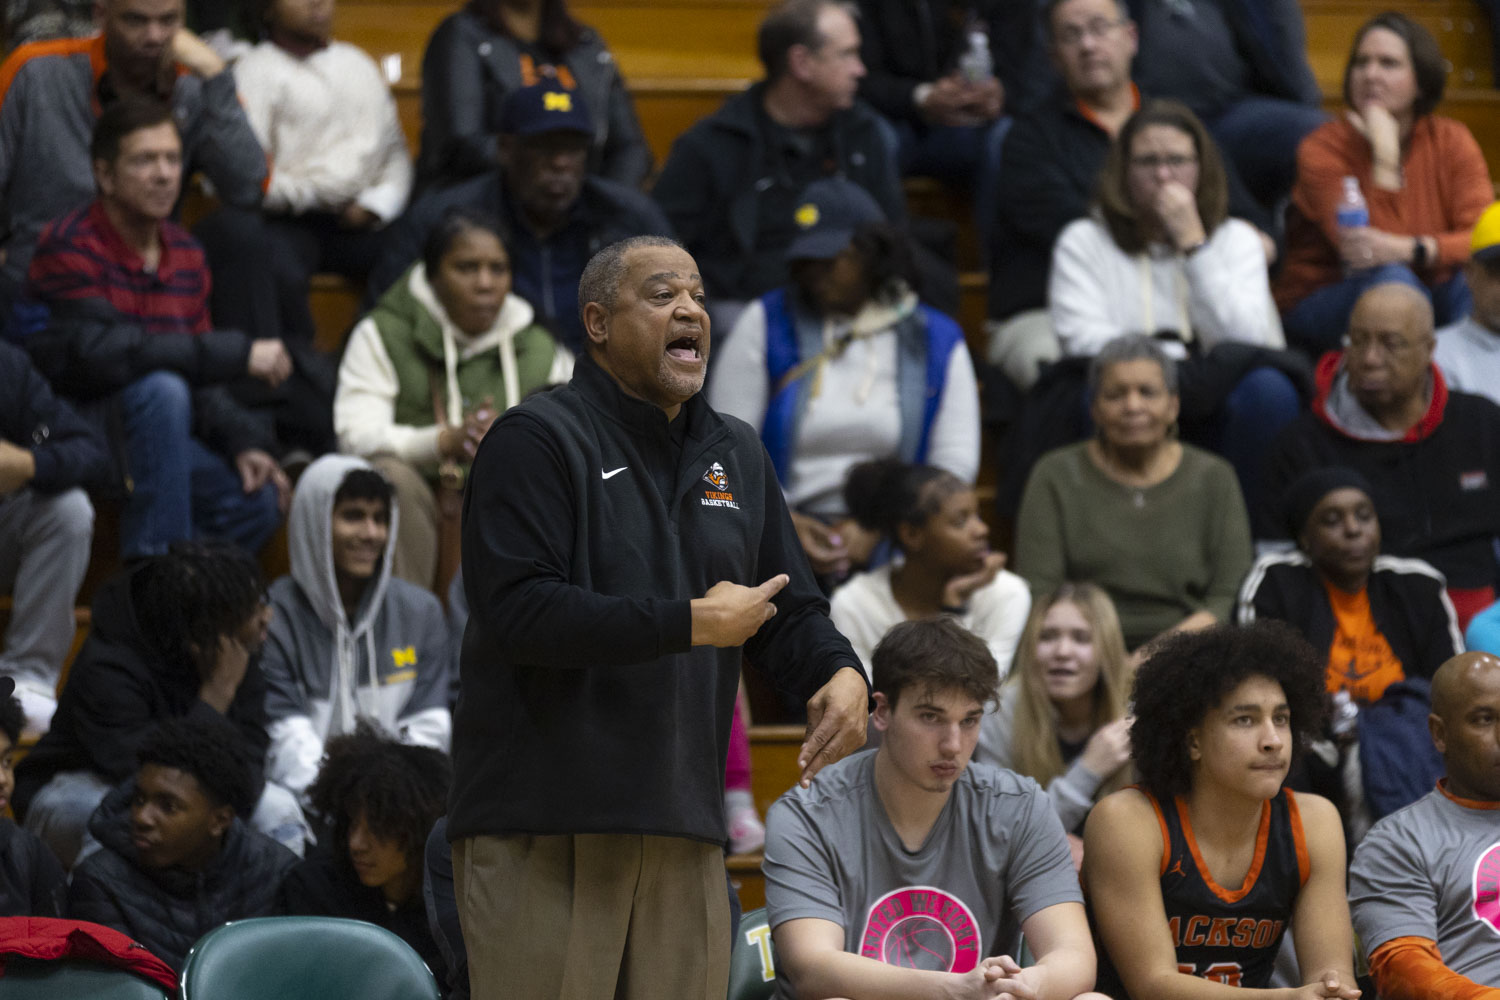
(1487, 888)
(922, 927)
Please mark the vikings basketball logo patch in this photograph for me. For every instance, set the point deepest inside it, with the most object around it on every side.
(719, 496)
(921, 927)
(1487, 888)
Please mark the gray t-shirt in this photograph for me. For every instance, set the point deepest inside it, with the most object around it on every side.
(1432, 870)
(995, 856)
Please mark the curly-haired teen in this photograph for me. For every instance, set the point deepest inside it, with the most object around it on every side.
(380, 798)
(1194, 875)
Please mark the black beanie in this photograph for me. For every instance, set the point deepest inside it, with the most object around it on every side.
(1303, 495)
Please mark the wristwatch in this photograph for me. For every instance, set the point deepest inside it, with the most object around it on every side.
(1419, 253)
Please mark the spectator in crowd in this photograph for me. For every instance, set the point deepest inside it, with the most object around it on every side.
(339, 166)
(1158, 524)
(346, 641)
(1468, 351)
(1380, 622)
(51, 95)
(175, 636)
(447, 348)
(1162, 257)
(605, 639)
(491, 48)
(1422, 177)
(1194, 875)
(32, 883)
(929, 77)
(177, 859)
(47, 454)
(942, 562)
(121, 323)
(555, 214)
(909, 871)
(1431, 456)
(379, 798)
(23, 21)
(1049, 168)
(1062, 714)
(1419, 883)
(846, 364)
(732, 183)
(1242, 68)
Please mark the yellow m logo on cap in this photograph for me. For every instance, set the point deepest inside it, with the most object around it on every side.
(404, 657)
(552, 101)
(807, 215)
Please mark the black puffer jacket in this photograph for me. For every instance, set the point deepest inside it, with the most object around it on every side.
(169, 909)
(32, 883)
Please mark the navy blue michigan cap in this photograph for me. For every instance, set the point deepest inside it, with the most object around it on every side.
(826, 216)
(544, 107)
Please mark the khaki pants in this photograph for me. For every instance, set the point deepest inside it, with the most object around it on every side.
(593, 916)
(415, 557)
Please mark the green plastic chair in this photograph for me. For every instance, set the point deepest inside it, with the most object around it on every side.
(27, 979)
(304, 958)
(752, 962)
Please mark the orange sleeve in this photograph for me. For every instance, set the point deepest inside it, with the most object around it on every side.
(1467, 178)
(1323, 161)
(1411, 968)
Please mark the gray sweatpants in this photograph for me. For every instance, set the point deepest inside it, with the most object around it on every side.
(44, 552)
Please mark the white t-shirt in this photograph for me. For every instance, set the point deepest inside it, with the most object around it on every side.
(865, 609)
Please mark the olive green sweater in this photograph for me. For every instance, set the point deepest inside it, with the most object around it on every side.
(1162, 553)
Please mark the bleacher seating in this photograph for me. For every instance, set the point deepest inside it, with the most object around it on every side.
(681, 58)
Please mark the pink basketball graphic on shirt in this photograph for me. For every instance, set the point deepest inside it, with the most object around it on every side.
(1487, 887)
(921, 927)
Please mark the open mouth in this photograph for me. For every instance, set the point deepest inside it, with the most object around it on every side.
(685, 348)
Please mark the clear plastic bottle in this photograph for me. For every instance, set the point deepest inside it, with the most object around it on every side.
(975, 64)
(1352, 212)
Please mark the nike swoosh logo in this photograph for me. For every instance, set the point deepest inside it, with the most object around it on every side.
(616, 472)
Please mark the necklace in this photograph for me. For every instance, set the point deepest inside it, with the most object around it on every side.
(1157, 469)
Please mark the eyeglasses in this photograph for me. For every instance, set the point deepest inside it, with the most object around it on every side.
(1390, 344)
(1172, 161)
(1097, 28)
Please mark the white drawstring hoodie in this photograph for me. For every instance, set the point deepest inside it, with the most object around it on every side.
(325, 671)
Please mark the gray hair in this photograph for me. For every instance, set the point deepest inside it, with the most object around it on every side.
(1132, 347)
(605, 271)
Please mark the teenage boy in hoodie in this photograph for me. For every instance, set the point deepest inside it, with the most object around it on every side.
(347, 641)
(177, 860)
(1432, 456)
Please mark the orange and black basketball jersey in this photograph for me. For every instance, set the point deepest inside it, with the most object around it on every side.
(1230, 936)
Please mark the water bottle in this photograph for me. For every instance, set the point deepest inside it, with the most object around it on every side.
(975, 64)
(1352, 212)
